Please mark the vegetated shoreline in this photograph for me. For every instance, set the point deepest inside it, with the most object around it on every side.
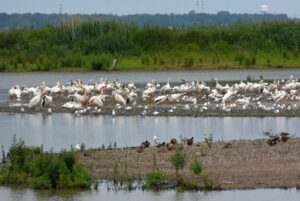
(138, 68)
(238, 164)
(95, 44)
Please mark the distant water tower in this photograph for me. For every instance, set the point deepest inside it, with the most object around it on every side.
(264, 9)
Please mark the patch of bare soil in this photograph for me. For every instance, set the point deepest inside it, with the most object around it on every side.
(231, 165)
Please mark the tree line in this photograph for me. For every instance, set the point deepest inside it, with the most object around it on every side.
(176, 20)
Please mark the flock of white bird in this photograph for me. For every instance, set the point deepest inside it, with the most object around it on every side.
(79, 97)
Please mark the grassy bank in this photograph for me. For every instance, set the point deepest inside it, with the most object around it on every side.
(238, 164)
(33, 167)
(93, 45)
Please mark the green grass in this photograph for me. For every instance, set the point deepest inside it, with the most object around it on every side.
(154, 179)
(166, 61)
(92, 45)
(38, 169)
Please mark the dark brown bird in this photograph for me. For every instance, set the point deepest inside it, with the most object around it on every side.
(173, 141)
(140, 149)
(228, 145)
(161, 145)
(171, 146)
(190, 141)
(284, 136)
(86, 155)
(273, 141)
(146, 144)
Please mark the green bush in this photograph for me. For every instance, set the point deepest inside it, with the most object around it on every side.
(43, 170)
(239, 58)
(188, 62)
(41, 182)
(154, 179)
(253, 60)
(208, 183)
(145, 60)
(2, 67)
(178, 159)
(196, 168)
(101, 62)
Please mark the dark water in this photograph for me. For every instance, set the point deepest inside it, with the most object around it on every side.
(15, 194)
(35, 79)
(63, 130)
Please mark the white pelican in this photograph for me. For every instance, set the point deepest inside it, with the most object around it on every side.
(96, 101)
(15, 91)
(56, 89)
(160, 99)
(119, 98)
(131, 98)
(72, 105)
(149, 92)
(131, 85)
(243, 101)
(35, 101)
(46, 101)
(279, 95)
(166, 88)
(83, 99)
(228, 94)
(174, 97)
(152, 84)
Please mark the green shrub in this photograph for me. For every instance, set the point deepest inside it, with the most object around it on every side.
(178, 159)
(196, 168)
(208, 183)
(41, 182)
(154, 60)
(2, 67)
(162, 61)
(239, 58)
(189, 62)
(43, 170)
(154, 179)
(145, 60)
(253, 60)
(101, 62)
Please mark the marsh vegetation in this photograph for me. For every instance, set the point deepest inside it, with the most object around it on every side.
(92, 45)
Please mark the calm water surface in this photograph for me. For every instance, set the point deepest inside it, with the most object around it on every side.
(35, 79)
(15, 194)
(60, 131)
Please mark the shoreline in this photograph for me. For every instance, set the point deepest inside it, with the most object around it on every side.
(162, 112)
(154, 68)
(237, 164)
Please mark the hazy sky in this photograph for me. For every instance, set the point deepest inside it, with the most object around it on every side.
(290, 7)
